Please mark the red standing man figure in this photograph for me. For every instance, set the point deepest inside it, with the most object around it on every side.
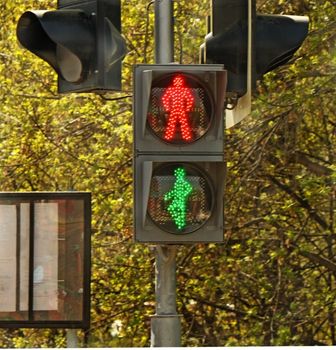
(178, 102)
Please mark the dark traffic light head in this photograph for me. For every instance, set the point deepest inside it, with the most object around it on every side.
(274, 40)
(54, 37)
(80, 40)
(277, 38)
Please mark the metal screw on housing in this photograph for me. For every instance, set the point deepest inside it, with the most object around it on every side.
(231, 100)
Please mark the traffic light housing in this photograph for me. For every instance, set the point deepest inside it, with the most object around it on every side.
(179, 165)
(80, 40)
(249, 45)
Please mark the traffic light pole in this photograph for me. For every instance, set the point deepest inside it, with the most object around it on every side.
(71, 338)
(165, 324)
(163, 31)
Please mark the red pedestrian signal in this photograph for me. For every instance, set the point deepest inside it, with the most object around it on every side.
(178, 101)
(180, 108)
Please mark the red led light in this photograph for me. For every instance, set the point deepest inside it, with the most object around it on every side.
(178, 102)
(180, 108)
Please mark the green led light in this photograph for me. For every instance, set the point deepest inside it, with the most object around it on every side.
(178, 198)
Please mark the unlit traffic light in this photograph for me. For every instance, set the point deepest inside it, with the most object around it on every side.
(80, 40)
(249, 45)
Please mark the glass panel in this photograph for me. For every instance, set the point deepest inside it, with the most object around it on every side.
(45, 275)
(73, 261)
(24, 255)
(8, 267)
(13, 275)
(57, 277)
(58, 260)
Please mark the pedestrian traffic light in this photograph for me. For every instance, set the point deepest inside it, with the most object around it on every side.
(179, 165)
(80, 40)
(249, 45)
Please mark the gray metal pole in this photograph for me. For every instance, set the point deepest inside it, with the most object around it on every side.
(71, 338)
(164, 31)
(165, 324)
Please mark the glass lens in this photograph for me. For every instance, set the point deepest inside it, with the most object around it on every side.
(180, 109)
(181, 198)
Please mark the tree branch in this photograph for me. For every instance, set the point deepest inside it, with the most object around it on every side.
(302, 201)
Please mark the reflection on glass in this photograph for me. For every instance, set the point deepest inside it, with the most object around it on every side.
(8, 264)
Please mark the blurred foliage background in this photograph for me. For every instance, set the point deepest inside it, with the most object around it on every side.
(273, 280)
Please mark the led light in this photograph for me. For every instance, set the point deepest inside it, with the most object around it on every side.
(178, 198)
(180, 109)
(181, 197)
(178, 101)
